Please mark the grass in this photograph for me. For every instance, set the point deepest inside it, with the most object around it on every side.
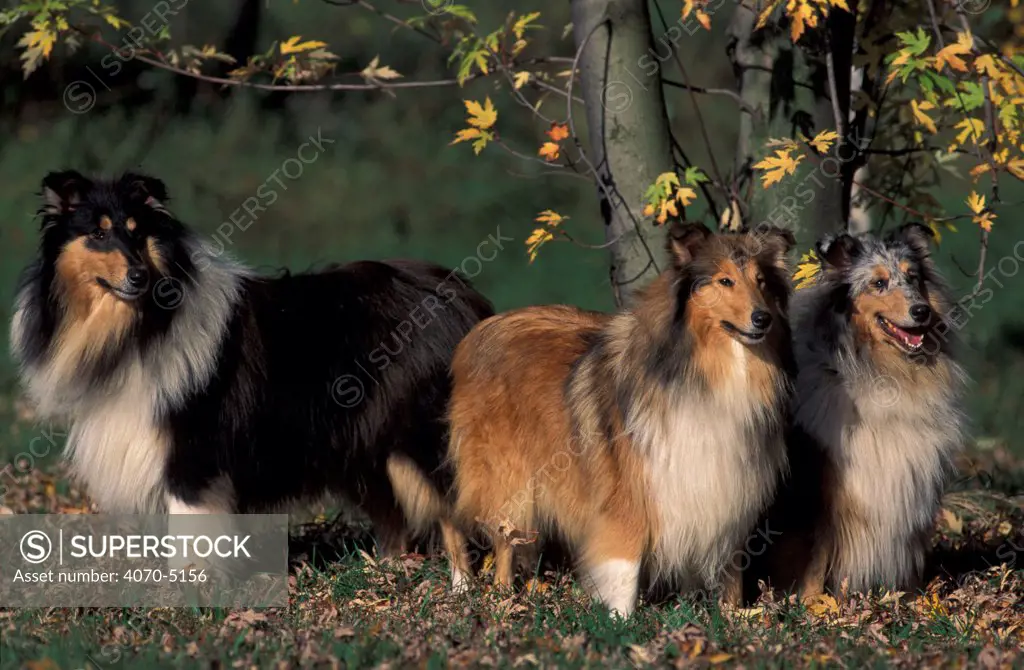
(349, 609)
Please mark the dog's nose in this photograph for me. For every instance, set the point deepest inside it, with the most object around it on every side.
(138, 277)
(920, 312)
(761, 319)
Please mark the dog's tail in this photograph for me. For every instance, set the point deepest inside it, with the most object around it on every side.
(418, 497)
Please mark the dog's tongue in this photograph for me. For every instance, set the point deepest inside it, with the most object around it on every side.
(909, 338)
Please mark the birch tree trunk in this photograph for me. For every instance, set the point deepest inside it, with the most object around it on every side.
(628, 132)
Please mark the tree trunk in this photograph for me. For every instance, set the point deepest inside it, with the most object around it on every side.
(628, 133)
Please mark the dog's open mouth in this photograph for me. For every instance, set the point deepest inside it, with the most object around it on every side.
(127, 294)
(909, 339)
(751, 337)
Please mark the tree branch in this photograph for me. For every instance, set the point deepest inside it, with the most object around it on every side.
(712, 91)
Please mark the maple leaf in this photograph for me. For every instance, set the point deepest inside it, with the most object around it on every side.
(550, 217)
(292, 45)
(520, 79)
(822, 142)
(951, 53)
(693, 176)
(806, 270)
(777, 166)
(987, 65)
(976, 202)
(558, 132)
(377, 71)
(522, 24)
(732, 217)
(666, 179)
(481, 116)
(922, 118)
(685, 195)
(482, 137)
(982, 217)
(668, 206)
(762, 18)
(801, 16)
(549, 151)
(972, 128)
(1016, 167)
(38, 45)
(536, 240)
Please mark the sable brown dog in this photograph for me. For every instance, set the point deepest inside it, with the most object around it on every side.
(876, 418)
(647, 440)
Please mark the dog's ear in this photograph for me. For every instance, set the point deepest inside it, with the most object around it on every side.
(839, 252)
(62, 191)
(683, 241)
(776, 242)
(145, 190)
(916, 236)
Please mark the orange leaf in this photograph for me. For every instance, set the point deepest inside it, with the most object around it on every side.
(558, 132)
(549, 151)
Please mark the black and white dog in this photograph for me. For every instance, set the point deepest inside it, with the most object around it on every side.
(195, 386)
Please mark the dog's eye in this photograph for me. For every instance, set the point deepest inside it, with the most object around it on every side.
(880, 284)
(725, 281)
(98, 234)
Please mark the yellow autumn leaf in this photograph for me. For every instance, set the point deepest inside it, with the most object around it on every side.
(777, 167)
(481, 137)
(822, 604)
(986, 65)
(666, 179)
(550, 217)
(822, 142)
(686, 195)
(377, 71)
(523, 22)
(969, 127)
(520, 79)
(950, 55)
(466, 134)
(802, 16)
(292, 45)
(1016, 168)
(806, 270)
(762, 19)
(703, 19)
(481, 116)
(922, 118)
(732, 217)
(668, 207)
(976, 202)
(536, 240)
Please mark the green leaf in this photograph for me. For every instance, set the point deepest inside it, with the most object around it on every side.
(460, 11)
(693, 176)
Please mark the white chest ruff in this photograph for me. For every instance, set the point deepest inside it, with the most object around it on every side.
(891, 453)
(118, 451)
(712, 467)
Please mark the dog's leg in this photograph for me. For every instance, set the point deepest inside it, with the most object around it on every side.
(455, 546)
(611, 563)
(732, 584)
(504, 553)
(812, 582)
(217, 499)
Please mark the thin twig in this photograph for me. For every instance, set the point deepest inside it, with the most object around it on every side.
(712, 91)
(693, 100)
